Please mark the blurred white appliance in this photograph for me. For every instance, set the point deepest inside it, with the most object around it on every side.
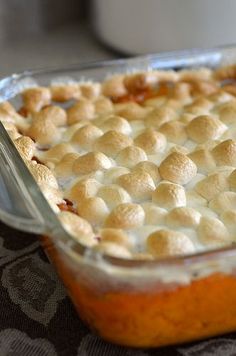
(148, 26)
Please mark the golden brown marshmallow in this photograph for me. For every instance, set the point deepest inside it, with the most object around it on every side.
(114, 87)
(131, 111)
(232, 180)
(25, 146)
(212, 232)
(111, 175)
(227, 112)
(164, 243)
(85, 188)
(212, 185)
(140, 81)
(229, 219)
(57, 152)
(225, 153)
(150, 168)
(82, 110)
(178, 168)
(103, 105)
(55, 114)
(168, 195)
(154, 215)
(126, 216)
(151, 141)
(91, 162)
(42, 174)
(113, 249)
(90, 90)
(130, 156)
(116, 123)
(138, 184)
(36, 98)
(65, 92)
(93, 209)
(86, 136)
(204, 128)
(79, 228)
(159, 116)
(113, 195)
(44, 132)
(183, 217)
(112, 142)
(223, 201)
(117, 236)
(174, 132)
(64, 167)
(203, 159)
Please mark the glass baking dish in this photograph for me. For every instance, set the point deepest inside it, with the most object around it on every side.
(128, 302)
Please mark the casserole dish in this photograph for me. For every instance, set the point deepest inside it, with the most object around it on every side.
(141, 303)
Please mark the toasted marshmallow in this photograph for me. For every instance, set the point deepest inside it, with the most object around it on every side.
(55, 114)
(91, 162)
(36, 98)
(83, 189)
(204, 128)
(57, 152)
(116, 236)
(140, 81)
(212, 185)
(183, 217)
(44, 132)
(112, 142)
(204, 160)
(229, 219)
(132, 111)
(126, 216)
(113, 195)
(178, 168)
(159, 116)
(212, 232)
(113, 249)
(103, 105)
(227, 112)
(79, 228)
(164, 243)
(63, 168)
(223, 201)
(93, 209)
(116, 123)
(151, 141)
(114, 87)
(138, 184)
(154, 215)
(53, 195)
(195, 200)
(174, 132)
(232, 180)
(85, 136)
(130, 156)
(25, 146)
(42, 174)
(150, 168)
(225, 153)
(82, 110)
(168, 195)
(90, 90)
(111, 175)
(65, 92)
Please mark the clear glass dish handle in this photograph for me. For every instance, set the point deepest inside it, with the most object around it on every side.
(17, 190)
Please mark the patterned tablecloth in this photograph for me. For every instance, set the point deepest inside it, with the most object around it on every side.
(38, 319)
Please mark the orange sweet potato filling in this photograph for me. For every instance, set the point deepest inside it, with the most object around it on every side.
(157, 317)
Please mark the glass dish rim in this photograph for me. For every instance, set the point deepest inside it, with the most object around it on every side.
(83, 250)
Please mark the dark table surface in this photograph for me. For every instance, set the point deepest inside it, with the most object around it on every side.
(38, 319)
